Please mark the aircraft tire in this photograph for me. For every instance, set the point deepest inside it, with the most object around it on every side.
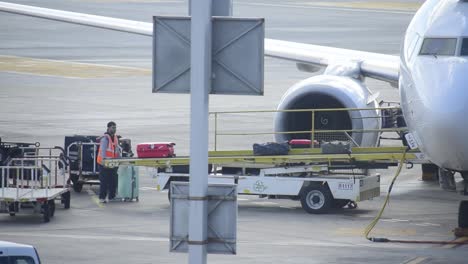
(430, 172)
(463, 214)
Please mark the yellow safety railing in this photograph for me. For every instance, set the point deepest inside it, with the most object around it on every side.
(313, 131)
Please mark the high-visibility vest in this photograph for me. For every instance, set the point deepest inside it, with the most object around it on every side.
(111, 151)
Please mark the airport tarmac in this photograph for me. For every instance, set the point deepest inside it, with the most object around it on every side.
(58, 79)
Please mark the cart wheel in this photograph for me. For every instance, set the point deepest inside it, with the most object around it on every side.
(66, 197)
(316, 199)
(46, 212)
(11, 209)
(463, 214)
(51, 207)
(77, 187)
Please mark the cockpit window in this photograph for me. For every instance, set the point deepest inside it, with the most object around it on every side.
(439, 46)
(464, 48)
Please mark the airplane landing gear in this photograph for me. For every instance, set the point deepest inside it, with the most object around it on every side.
(430, 172)
(447, 179)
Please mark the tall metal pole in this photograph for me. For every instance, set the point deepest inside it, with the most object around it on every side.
(200, 84)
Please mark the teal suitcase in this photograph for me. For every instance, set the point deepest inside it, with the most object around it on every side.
(128, 184)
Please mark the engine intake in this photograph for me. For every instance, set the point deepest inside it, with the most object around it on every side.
(327, 92)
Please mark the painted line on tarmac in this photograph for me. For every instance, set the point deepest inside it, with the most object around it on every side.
(395, 220)
(91, 237)
(148, 189)
(95, 198)
(350, 231)
(416, 260)
(333, 8)
(427, 224)
(286, 243)
(67, 69)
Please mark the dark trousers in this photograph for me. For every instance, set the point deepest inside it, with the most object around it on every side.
(108, 182)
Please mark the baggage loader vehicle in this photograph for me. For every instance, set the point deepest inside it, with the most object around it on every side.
(317, 190)
(321, 181)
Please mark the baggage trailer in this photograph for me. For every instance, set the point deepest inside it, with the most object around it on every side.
(317, 189)
(33, 183)
(82, 151)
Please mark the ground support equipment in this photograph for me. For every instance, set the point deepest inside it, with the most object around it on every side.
(320, 181)
(33, 183)
(82, 151)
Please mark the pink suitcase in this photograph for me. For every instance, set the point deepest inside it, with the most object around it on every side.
(301, 143)
(156, 150)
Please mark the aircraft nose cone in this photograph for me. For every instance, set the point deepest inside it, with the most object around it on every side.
(445, 129)
(438, 108)
(447, 142)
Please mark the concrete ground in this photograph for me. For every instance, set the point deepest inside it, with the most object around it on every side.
(58, 79)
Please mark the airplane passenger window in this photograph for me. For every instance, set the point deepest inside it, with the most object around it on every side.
(464, 49)
(439, 46)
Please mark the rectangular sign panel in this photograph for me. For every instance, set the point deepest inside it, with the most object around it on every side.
(237, 51)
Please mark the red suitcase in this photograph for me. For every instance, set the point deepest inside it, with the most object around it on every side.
(156, 150)
(301, 143)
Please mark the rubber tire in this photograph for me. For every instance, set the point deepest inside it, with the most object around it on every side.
(11, 209)
(316, 191)
(66, 197)
(77, 187)
(51, 208)
(463, 214)
(74, 178)
(464, 175)
(340, 203)
(46, 212)
(430, 172)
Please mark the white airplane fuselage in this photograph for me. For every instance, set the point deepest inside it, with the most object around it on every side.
(433, 82)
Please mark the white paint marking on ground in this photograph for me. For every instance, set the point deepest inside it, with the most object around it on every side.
(264, 203)
(395, 220)
(148, 188)
(332, 8)
(427, 224)
(91, 237)
(416, 260)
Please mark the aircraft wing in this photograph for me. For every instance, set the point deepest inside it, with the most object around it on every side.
(374, 65)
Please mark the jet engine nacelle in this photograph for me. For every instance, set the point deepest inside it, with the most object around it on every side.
(325, 92)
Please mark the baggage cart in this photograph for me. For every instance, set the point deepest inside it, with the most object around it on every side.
(82, 151)
(33, 183)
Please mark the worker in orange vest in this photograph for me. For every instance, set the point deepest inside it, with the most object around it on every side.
(108, 149)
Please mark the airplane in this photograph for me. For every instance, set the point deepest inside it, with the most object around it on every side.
(430, 74)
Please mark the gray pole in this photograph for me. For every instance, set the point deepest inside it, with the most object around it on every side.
(200, 84)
